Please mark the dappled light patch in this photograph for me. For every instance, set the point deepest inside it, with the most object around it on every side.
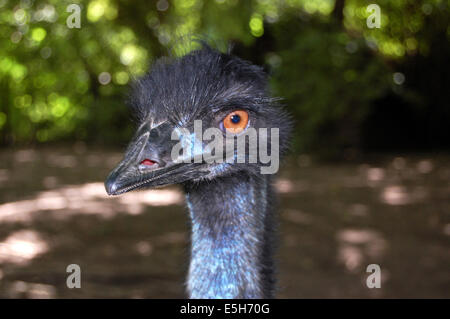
(351, 257)
(4, 175)
(144, 248)
(399, 195)
(22, 289)
(21, 247)
(26, 155)
(446, 230)
(160, 197)
(425, 166)
(396, 195)
(283, 185)
(89, 198)
(356, 247)
(375, 174)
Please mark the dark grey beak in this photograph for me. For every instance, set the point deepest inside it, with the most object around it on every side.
(130, 174)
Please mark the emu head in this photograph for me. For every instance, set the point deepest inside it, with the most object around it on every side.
(220, 91)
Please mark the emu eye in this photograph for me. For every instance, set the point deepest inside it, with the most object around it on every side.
(236, 121)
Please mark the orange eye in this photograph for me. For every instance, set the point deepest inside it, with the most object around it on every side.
(236, 121)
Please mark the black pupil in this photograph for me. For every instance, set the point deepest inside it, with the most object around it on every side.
(235, 118)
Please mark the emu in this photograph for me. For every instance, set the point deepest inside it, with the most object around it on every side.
(231, 204)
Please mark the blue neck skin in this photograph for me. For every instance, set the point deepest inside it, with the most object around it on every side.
(231, 249)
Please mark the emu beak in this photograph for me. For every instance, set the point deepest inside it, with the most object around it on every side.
(131, 174)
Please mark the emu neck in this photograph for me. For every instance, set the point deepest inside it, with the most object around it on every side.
(231, 251)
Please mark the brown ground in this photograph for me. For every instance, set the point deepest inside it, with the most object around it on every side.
(335, 220)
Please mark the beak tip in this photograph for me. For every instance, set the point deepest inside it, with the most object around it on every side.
(110, 187)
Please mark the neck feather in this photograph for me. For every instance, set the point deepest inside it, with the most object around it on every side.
(231, 231)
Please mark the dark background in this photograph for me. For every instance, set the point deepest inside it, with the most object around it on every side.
(367, 179)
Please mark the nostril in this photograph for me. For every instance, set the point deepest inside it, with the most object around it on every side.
(148, 162)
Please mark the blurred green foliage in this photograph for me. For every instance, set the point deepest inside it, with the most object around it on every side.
(332, 85)
(62, 84)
